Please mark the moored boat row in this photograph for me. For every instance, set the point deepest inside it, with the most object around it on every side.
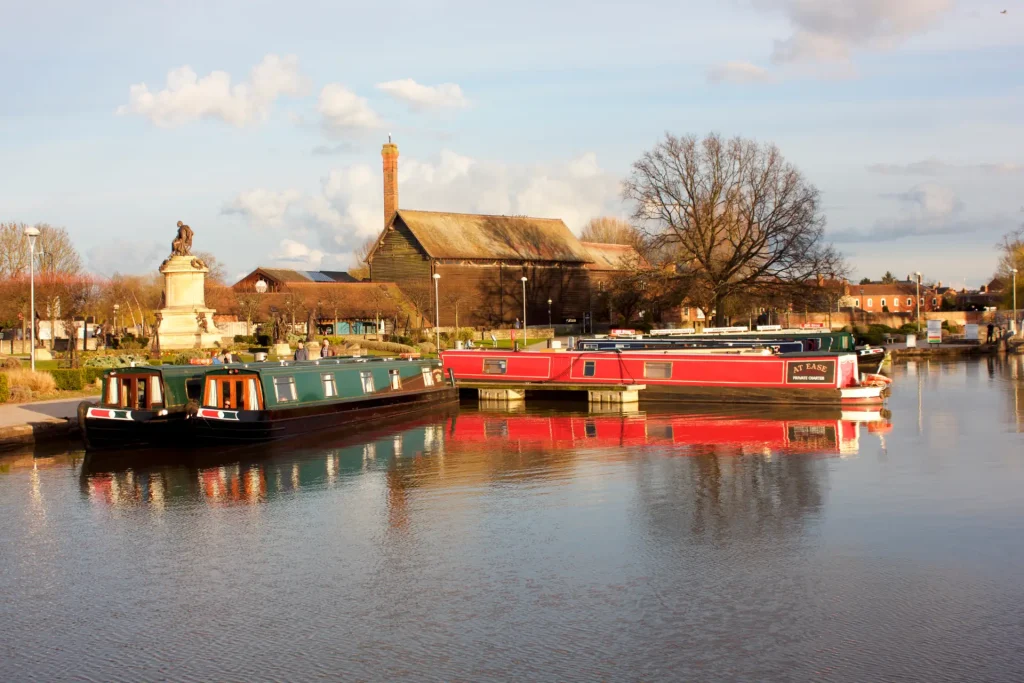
(254, 402)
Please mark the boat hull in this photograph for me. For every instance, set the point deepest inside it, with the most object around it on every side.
(702, 377)
(256, 426)
(130, 429)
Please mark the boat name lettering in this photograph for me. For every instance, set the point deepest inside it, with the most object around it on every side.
(811, 372)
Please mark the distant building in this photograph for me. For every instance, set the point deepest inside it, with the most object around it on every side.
(481, 260)
(278, 278)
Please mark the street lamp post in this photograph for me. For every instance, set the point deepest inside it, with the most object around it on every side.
(117, 307)
(32, 232)
(1013, 324)
(918, 274)
(524, 310)
(437, 315)
(549, 312)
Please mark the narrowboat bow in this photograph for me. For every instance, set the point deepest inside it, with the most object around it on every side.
(141, 406)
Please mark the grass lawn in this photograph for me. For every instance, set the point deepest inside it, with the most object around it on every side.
(507, 343)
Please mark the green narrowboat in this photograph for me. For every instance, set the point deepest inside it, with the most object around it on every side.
(141, 406)
(267, 401)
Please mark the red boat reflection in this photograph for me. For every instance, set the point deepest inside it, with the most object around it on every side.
(736, 433)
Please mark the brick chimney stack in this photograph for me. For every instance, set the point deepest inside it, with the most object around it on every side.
(389, 153)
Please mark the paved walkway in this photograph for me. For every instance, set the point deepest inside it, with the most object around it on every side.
(27, 423)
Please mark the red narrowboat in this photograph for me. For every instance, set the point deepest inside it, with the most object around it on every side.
(692, 375)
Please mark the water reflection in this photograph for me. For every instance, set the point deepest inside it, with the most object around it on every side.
(471, 448)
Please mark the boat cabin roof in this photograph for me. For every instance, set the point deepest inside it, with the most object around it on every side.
(291, 367)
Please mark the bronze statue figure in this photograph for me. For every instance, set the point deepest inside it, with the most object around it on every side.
(182, 244)
(201, 322)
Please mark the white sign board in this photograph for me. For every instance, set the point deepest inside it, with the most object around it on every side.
(971, 332)
(719, 330)
(934, 331)
(769, 328)
(672, 331)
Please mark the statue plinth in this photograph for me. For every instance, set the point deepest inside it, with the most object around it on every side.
(186, 321)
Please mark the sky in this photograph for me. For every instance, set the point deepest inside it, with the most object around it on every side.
(260, 123)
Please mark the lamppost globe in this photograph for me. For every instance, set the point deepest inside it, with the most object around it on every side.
(32, 232)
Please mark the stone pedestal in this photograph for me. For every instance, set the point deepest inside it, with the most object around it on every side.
(282, 351)
(185, 306)
(43, 354)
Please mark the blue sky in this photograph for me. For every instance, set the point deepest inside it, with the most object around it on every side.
(260, 123)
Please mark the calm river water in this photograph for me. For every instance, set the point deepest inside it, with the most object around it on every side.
(543, 545)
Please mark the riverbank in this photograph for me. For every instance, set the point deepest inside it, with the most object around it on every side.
(23, 424)
(901, 351)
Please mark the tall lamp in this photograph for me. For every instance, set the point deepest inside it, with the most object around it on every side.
(524, 310)
(1013, 323)
(549, 312)
(32, 232)
(918, 274)
(437, 315)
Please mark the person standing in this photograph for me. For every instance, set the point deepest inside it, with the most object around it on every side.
(301, 353)
(325, 352)
(990, 328)
(516, 324)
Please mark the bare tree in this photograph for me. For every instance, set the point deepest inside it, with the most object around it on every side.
(611, 230)
(217, 274)
(1011, 257)
(738, 216)
(361, 271)
(247, 305)
(454, 300)
(379, 297)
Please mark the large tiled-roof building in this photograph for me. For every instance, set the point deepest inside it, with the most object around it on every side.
(481, 260)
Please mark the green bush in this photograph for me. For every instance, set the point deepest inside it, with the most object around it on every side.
(5, 389)
(245, 339)
(69, 379)
(184, 357)
(93, 374)
(123, 360)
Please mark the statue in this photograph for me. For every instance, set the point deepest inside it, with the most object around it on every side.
(182, 244)
(158, 317)
(201, 322)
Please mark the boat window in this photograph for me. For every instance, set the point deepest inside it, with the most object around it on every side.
(330, 389)
(428, 378)
(589, 368)
(254, 394)
(194, 389)
(284, 388)
(396, 379)
(494, 366)
(156, 391)
(366, 377)
(591, 429)
(659, 431)
(658, 370)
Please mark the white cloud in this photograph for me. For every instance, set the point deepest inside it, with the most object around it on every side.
(187, 97)
(739, 73)
(924, 210)
(934, 167)
(418, 97)
(342, 109)
(263, 207)
(829, 30)
(349, 205)
(298, 255)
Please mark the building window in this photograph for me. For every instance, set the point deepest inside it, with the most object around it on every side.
(396, 379)
(935, 302)
(870, 303)
(658, 370)
(366, 377)
(895, 302)
(428, 377)
(589, 368)
(856, 303)
(330, 389)
(493, 366)
(883, 303)
(284, 389)
(910, 302)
